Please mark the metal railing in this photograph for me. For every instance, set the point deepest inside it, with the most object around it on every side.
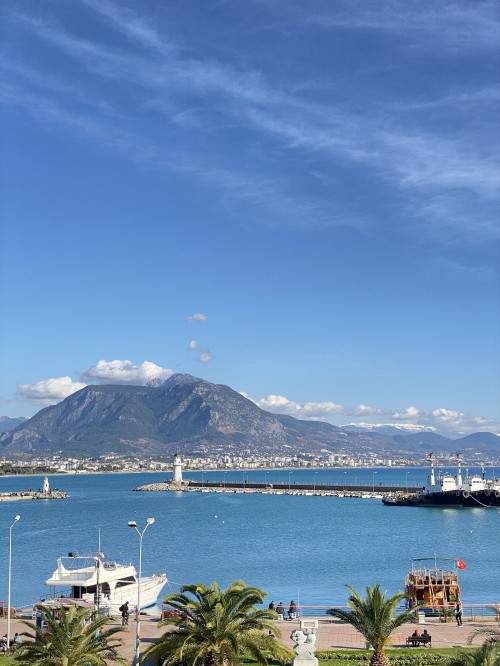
(470, 612)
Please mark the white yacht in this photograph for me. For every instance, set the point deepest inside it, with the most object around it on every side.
(107, 584)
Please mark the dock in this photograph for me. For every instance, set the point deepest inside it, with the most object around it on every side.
(330, 490)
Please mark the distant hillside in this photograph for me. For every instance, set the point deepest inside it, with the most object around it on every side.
(9, 423)
(196, 417)
(182, 413)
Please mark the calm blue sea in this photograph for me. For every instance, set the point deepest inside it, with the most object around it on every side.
(291, 546)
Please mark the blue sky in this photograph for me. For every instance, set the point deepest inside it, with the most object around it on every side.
(299, 200)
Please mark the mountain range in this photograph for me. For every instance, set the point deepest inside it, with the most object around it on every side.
(198, 418)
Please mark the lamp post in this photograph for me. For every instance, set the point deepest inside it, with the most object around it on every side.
(289, 476)
(133, 524)
(315, 481)
(10, 571)
(373, 482)
(265, 477)
(225, 480)
(407, 481)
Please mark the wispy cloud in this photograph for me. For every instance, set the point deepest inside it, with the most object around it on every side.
(439, 174)
(205, 356)
(128, 23)
(196, 318)
(451, 24)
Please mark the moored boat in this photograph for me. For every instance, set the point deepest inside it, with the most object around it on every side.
(447, 490)
(107, 584)
(432, 584)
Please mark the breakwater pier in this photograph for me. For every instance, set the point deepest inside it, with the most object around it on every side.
(333, 490)
(43, 493)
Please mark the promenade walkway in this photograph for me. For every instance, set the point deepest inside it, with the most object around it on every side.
(331, 634)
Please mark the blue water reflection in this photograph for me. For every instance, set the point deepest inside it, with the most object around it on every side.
(292, 546)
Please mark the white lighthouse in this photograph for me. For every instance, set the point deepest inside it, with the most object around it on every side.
(46, 487)
(177, 470)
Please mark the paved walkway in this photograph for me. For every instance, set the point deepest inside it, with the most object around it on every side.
(331, 634)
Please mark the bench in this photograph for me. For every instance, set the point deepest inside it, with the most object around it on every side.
(417, 641)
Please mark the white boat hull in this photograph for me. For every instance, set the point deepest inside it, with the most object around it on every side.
(81, 577)
(150, 589)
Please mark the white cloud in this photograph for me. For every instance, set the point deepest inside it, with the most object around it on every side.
(197, 317)
(365, 410)
(124, 372)
(446, 414)
(445, 421)
(279, 404)
(49, 391)
(408, 413)
(192, 345)
(206, 356)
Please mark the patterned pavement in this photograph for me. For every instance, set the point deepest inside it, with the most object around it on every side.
(331, 634)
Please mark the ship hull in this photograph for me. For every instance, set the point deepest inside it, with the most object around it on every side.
(455, 498)
(485, 498)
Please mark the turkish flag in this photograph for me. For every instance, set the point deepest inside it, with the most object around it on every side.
(460, 564)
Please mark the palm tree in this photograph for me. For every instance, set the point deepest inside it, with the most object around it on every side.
(487, 655)
(217, 627)
(374, 618)
(73, 639)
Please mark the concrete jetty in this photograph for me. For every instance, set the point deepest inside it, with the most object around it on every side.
(331, 490)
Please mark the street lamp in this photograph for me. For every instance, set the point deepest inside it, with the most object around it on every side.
(373, 482)
(265, 477)
(225, 480)
(407, 481)
(10, 571)
(133, 524)
(315, 481)
(289, 475)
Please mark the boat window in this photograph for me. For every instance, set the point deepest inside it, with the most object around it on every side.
(125, 581)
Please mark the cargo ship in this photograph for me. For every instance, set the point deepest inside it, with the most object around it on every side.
(448, 490)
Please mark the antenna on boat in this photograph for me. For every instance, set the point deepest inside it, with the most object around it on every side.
(98, 565)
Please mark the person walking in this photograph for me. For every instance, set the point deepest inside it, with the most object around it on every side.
(124, 612)
(458, 613)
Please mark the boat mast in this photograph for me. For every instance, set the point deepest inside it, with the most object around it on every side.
(98, 565)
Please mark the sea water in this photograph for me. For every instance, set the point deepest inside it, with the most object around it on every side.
(292, 546)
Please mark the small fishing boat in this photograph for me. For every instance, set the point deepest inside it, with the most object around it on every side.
(106, 584)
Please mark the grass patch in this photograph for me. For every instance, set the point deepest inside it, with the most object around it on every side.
(399, 657)
(7, 660)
